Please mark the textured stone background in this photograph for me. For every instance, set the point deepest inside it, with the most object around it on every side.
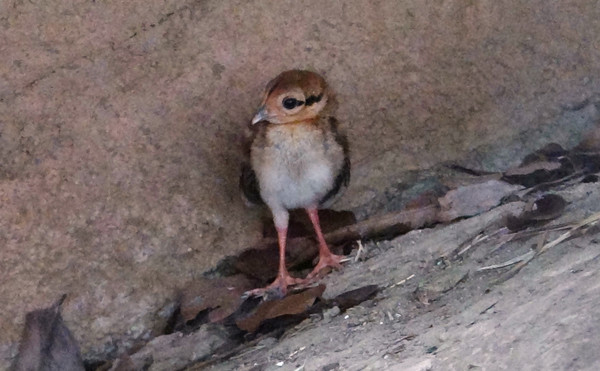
(121, 122)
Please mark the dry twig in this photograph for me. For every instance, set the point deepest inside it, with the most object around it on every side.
(479, 239)
(361, 248)
(403, 221)
(589, 221)
(527, 256)
(542, 247)
(401, 282)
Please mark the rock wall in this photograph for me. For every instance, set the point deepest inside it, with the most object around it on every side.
(121, 125)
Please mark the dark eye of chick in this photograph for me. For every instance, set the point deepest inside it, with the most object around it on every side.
(291, 103)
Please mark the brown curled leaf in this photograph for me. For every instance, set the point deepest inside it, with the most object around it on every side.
(222, 296)
(291, 304)
(545, 208)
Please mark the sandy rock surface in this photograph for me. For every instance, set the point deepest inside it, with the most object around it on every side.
(121, 125)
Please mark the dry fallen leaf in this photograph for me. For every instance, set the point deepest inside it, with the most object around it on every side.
(545, 208)
(259, 262)
(549, 164)
(47, 344)
(352, 298)
(529, 169)
(291, 304)
(222, 296)
(474, 199)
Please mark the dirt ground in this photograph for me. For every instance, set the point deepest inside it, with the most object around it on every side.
(438, 313)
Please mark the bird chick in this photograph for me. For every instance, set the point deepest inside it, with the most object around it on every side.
(298, 159)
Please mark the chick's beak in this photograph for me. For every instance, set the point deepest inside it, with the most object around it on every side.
(260, 115)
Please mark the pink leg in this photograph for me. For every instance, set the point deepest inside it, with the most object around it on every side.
(283, 280)
(326, 258)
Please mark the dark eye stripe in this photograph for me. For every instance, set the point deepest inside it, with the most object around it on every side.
(313, 99)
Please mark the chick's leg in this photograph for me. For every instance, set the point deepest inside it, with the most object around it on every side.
(284, 279)
(326, 257)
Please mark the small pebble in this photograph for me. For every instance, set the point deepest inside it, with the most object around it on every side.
(329, 314)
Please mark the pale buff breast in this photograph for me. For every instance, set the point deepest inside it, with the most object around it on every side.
(296, 166)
